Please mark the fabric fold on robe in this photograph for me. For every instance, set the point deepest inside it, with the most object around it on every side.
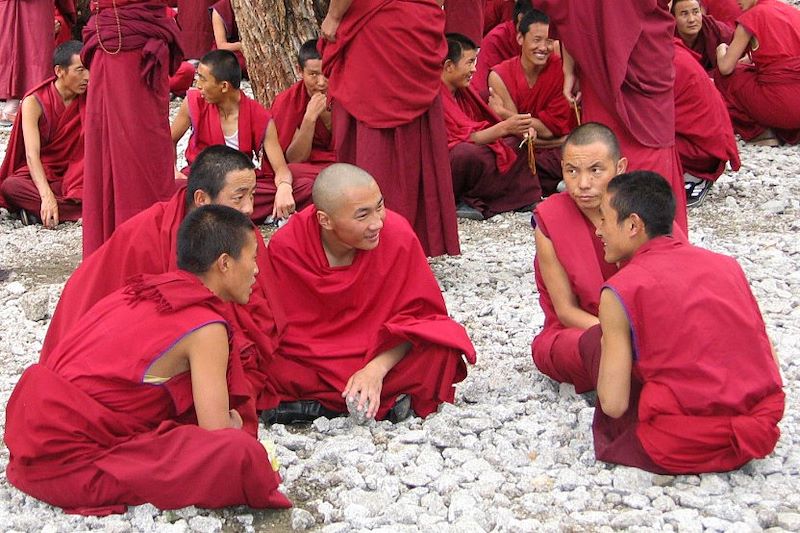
(726, 11)
(26, 45)
(465, 17)
(498, 45)
(333, 320)
(85, 420)
(497, 12)
(197, 35)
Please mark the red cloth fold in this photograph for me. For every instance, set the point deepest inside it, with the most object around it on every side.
(465, 17)
(26, 45)
(498, 45)
(497, 12)
(197, 35)
(726, 11)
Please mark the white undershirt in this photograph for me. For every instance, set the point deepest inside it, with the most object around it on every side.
(232, 140)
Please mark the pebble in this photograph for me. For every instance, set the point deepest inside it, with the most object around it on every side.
(301, 519)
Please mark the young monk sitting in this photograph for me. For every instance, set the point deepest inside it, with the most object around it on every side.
(763, 98)
(360, 317)
(491, 172)
(42, 173)
(156, 422)
(687, 380)
(700, 32)
(303, 118)
(226, 32)
(147, 243)
(569, 262)
(220, 113)
(533, 83)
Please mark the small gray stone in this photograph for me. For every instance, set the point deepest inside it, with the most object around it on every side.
(632, 518)
(461, 503)
(631, 479)
(205, 524)
(35, 305)
(301, 519)
(712, 523)
(790, 521)
(16, 288)
(714, 484)
(636, 501)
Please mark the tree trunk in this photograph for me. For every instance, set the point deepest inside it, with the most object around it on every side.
(271, 33)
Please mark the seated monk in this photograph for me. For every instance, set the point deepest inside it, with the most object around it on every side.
(569, 262)
(303, 118)
(497, 46)
(703, 131)
(687, 380)
(700, 32)
(42, 173)
(226, 32)
(157, 421)
(219, 112)
(491, 173)
(146, 244)
(497, 12)
(763, 97)
(533, 83)
(359, 313)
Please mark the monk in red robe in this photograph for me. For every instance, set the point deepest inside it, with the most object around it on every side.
(533, 83)
(700, 33)
(66, 17)
(726, 11)
(491, 172)
(147, 245)
(26, 49)
(360, 317)
(303, 118)
(669, 400)
(706, 145)
(498, 45)
(131, 48)
(763, 97)
(183, 78)
(465, 17)
(197, 35)
(569, 262)
(618, 61)
(158, 421)
(226, 33)
(389, 120)
(42, 173)
(219, 112)
(497, 12)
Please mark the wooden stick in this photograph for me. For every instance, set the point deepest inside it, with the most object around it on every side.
(531, 157)
(577, 111)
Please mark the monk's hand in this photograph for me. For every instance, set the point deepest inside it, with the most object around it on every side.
(235, 419)
(57, 27)
(49, 210)
(315, 107)
(722, 49)
(518, 124)
(329, 27)
(283, 206)
(572, 89)
(366, 384)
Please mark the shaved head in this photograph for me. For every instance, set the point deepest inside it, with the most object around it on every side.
(594, 132)
(333, 183)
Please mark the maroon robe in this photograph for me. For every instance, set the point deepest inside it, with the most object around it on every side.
(767, 93)
(86, 432)
(498, 45)
(197, 36)
(66, 13)
(128, 168)
(712, 34)
(225, 11)
(711, 395)
(624, 64)
(492, 178)
(182, 80)
(726, 11)
(497, 12)
(332, 321)
(465, 17)
(555, 349)
(703, 131)
(60, 150)
(26, 45)
(147, 244)
(389, 121)
(288, 109)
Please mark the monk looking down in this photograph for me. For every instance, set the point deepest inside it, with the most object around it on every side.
(157, 421)
(359, 314)
(42, 173)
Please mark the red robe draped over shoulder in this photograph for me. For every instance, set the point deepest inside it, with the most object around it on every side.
(580, 252)
(703, 130)
(132, 160)
(26, 45)
(498, 45)
(726, 11)
(389, 121)
(147, 244)
(86, 432)
(334, 320)
(61, 152)
(465, 17)
(497, 12)
(712, 395)
(767, 93)
(197, 35)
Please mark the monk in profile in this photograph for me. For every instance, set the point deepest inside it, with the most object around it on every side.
(699, 31)
(676, 321)
(360, 319)
(157, 422)
(42, 173)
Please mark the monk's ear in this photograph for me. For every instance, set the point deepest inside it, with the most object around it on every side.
(520, 38)
(635, 226)
(299, 70)
(324, 219)
(622, 165)
(223, 263)
(201, 197)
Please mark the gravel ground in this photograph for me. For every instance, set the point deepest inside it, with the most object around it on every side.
(514, 453)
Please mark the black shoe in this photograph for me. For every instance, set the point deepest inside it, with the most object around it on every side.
(696, 191)
(465, 211)
(28, 218)
(301, 411)
(400, 410)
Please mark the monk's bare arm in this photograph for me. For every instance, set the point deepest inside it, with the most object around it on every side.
(571, 90)
(729, 55)
(31, 112)
(616, 358)
(336, 11)
(499, 99)
(207, 352)
(519, 125)
(367, 383)
(221, 35)
(284, 204)
(302, 142)
(557, 283)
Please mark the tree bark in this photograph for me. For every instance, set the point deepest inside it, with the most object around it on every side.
(271, 33)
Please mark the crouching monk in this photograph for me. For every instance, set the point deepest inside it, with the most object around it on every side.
(358, 311)
(157, 421)
(688, 381)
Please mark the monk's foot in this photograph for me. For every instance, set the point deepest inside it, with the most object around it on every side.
(526, 208)
(768, 138)
(299, 412)
(696, 190)
(401, 409)
(28, 218)
(468, 212)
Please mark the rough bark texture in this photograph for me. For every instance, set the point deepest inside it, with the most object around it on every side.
(271, 32)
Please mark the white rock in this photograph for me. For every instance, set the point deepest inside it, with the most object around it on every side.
(205, 524)
(790, 521)
(16, 288)
(301, 519)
